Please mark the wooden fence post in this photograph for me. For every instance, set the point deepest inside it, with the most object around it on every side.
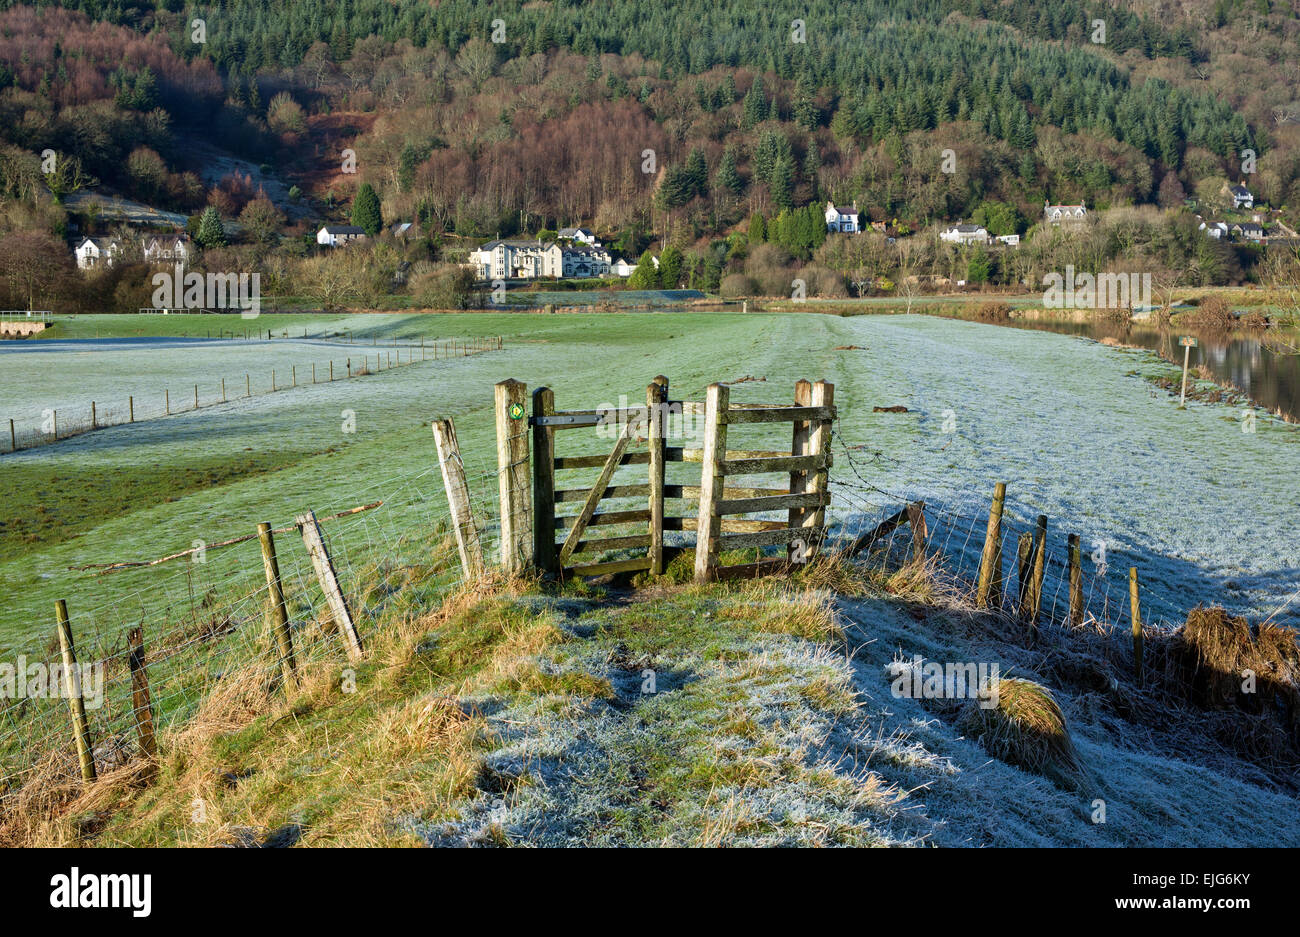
(93, 421)
(656, 400)
(920, 530)
(1135, 611)
(708, 527)
(799, 446)
(544, 552)
(72, 687)
(1076, 579)
(167, 401)
(1040, 566)
(462, 513)
(329, 583)
(277, 615)
(514, 476)
(141, 704)
(989, 592)
(13, 437)
(1024, 561)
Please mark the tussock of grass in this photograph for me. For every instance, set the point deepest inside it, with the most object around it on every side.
(1026, 729)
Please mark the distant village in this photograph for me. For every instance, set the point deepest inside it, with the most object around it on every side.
(576, 253)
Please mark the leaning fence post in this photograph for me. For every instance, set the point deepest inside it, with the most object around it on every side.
(1135, 611)
(329, 583)
(513, 474)
(277, 615)
(141, 704)
(544, 552)
(462, 513)
(1076, 580)
(920, 530)
(656, 400)
(708, 527)
(990, 584)
(72, 686)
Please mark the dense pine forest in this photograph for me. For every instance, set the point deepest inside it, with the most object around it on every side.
(714, 131)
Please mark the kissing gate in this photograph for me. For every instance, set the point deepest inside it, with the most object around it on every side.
(535, 482)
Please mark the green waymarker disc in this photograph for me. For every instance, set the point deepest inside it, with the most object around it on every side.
(516, 411)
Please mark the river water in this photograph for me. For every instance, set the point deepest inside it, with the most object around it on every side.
(1264, 368)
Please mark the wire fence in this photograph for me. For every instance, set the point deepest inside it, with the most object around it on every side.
(57, 424)
(204, 618)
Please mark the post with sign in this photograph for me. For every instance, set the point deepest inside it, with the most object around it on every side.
(515, 476)
(1188, 342)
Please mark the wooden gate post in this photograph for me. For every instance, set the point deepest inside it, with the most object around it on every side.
(329, 583)
(1076, 579)
(277, 615)
(141, 704)
(513, 475)
(462, 513)
(544, 552)
(819, 444)
(708, 526)
(799, 446)
(989, 592)
(72, 687)
(656, 401)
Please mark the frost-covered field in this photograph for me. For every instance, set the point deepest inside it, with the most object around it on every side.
(1206, 511)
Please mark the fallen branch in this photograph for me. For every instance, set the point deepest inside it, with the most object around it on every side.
(113, 567)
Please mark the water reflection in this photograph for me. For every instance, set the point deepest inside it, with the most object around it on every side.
(1264, 366)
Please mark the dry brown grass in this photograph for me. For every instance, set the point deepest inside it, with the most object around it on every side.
(1213, 652)
(1027, 729)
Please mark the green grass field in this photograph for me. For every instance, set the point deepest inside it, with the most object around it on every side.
(1025, 405)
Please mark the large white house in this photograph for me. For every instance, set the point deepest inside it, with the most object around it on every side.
(1055, 214)
(1242, 197)
(965, 234)
(842, 220)
(167, 248)
(528, 260)
(97, 252)
(336, 235)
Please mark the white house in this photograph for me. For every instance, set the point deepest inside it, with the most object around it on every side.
(1248, 230)
(965, 234)
(842, 220)
(1011, 240)
(621, 268)
(97, 252)
(583, 260)
(167, 248)
(1242, 197)
(1055, 214)
(338, 234)
(581, 235)
(1215, 229)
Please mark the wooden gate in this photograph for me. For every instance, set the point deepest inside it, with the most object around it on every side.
(561, 542)
(635, 427)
